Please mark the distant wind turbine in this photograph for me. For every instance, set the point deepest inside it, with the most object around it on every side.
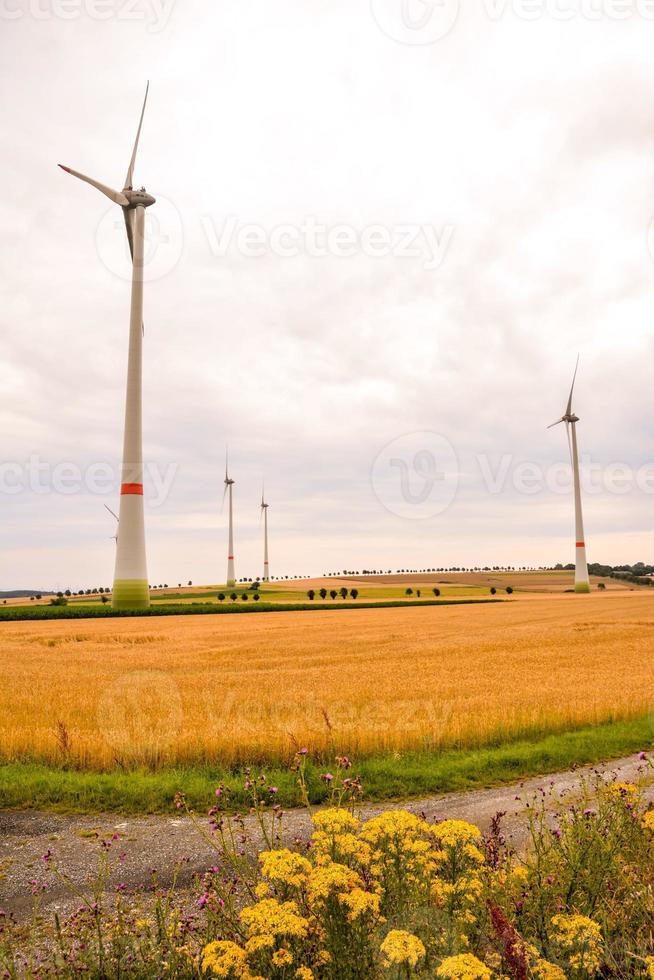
(582, 583)
(130, 589)
(114, 537)
(229, 483)
(264, 512)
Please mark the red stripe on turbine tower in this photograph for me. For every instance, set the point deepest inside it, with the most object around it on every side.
(135, 488)
(581, 544)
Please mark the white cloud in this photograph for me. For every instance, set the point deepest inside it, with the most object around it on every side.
(531, 139)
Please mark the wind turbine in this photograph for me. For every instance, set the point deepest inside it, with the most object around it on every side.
(229, 483)
(130, 589)
(264, 514)
(113, 514)
(582, 583)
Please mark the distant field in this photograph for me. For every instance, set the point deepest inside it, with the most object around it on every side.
(193, 691)
(376, 588)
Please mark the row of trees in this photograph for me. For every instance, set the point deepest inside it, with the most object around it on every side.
(425, 571)
(437, 592)
(343, 592)
(234, 596)
(100, 591)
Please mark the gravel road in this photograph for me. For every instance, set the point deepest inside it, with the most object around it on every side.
(159, 842)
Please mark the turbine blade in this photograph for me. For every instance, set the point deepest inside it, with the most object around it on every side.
(128, 215)
(226, 463)
(129, 228)
(116, 196)
(111, 511)
(568, 410)
(558, 422)
(130, 172)
(222, 506)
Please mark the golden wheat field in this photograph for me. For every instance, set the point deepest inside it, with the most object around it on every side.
(103, 693)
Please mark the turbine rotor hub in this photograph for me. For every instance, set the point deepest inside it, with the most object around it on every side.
(139, 198)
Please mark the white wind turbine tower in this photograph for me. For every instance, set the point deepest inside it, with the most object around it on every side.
(229, 483)
(264, 513)
(582, 583)
(130, 589)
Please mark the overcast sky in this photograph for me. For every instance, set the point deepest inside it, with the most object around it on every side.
(383, 232)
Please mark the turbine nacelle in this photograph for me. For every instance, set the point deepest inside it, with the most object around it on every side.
(565, 418)
(138, 199)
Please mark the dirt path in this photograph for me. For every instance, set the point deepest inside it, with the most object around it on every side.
(158, 843)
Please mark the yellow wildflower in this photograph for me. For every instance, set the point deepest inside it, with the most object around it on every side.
(401, 947)
(262, 941)
(465, 966)
(543, 970)
(393, 823)
(340, 847)
(225, 959)
(466, 888)
(335, 821)
(331, 879)
(282, 957)
(519, 874)
(273, 918)
(626, 791)
(648, 821)
(473, 854)
(649, 963)
(304, 973)
(581, 940)
(285, 866)
(360, 903)
(453, 832)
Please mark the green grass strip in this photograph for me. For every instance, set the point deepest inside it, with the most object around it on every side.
(30, 785)
(19, 613)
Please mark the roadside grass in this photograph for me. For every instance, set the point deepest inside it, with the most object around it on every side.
(98, 611)
(387, 777)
